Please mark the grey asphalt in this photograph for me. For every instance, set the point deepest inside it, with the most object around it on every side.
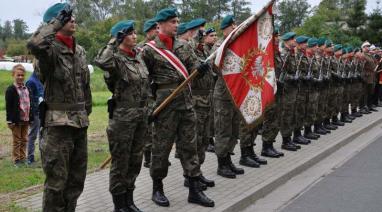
(354, 187)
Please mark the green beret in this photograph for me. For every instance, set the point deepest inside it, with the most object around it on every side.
(227, 21)
(302, 39)
(287, 36)
(357, 49)
(328, 43)
(349, 49)
(182, 28)
(149, 24)
(196, 23)
(53, 11)
(312, 42)
(166, 14)
(321, 41)
(337, 47)
(276, 30)
(122, 26)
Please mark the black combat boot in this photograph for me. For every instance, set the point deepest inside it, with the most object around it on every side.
(308, 134)
(196, 195)
(281, 154)
(246, 159)
(224, 169)
(158, 195)
(321, 125)
(207, 182)
(202, 186)
(365, 110)
(345, 119)
(350, 116)
(119, 202)
(299, 139)
(355, 113)
(337, 122)
(130, 201)
(211, 145)
(372, 108)
(259, 160)
(329, 125)
(147, 154)
(288, 145)
(233, 167)
(318, 129)
(267, 151)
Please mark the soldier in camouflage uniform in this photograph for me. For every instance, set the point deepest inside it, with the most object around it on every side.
(369, 77)
(127, 79)
(271, 122)
(302, 95)
(312, 78)
(64, 72)
(150, 29)
(288, 97)
(226, 116)
(178, 118)
(201, 94)
(347, 69)
(209, 41)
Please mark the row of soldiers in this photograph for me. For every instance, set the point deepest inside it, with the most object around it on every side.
(142, 76)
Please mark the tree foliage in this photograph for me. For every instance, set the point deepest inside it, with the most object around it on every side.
(292, 13)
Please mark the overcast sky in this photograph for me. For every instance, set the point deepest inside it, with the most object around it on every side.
(31, 11)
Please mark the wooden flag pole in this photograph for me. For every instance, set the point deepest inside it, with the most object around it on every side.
(241, 28)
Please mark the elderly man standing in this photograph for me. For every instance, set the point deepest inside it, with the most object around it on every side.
(169, 63)
(64, 73)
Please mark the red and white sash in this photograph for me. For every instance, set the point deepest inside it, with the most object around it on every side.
(172, 59)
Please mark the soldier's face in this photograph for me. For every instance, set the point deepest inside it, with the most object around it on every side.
(211, 38)
(130, 40)
(70, 27)
(19, 76)
(169, 27)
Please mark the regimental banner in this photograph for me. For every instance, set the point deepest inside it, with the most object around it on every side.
(246, 60)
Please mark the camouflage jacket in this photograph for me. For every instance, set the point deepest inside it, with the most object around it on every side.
(220, 89)
(202, 87)
(165, 76)
(289, 66)
(127, 78)
(370, 65)
(65, 76)
(302, 64)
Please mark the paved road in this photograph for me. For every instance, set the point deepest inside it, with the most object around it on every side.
(355, 186)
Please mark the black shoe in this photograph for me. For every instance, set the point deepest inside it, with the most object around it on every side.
(301, 140)
(130, 202)
(287, 144)
(356, 114)
(233, 167)
(147, 155)
(268, 152)
(196, 195)
(158, 195)
(318, 130)
(207, 182)
(256, 158)
(246, 159)
(337, 122)
(201, 186)
(345, 118)
(350, 116)
(308, 134)
(324, 129)
(328, 125)
(281, 154)
(119, 202)
(224, 169)
(296, 145)
(372, 109)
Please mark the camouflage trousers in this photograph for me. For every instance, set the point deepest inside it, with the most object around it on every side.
(202, 128)
(332, 100)
(311, 107)
(247, 135)
(126, 142)
(322, 112)
(346, 97)
(149, 136)
(271, 121)
(356, 95)
(171, 124)
(226, 127)
(300, 108)
(288, 103)
(64, 161)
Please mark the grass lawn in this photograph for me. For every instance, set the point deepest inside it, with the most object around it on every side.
(14, 179)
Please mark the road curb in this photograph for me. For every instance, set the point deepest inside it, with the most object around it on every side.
(266, 187)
